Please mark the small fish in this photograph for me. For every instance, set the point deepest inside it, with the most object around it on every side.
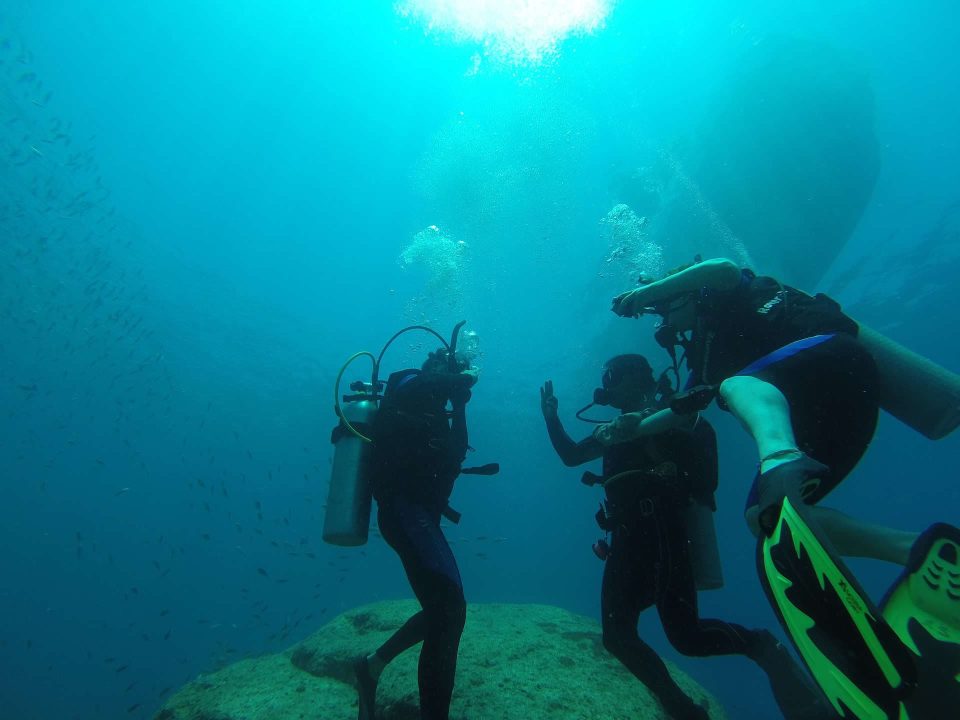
(121, 668)
(133, 707)
(262, 571)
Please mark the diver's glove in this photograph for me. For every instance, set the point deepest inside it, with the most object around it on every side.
(462, 382)
(694, 400)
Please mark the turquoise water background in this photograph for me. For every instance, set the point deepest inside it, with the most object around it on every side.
(206, 207)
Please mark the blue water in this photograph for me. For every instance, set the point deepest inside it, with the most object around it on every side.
(205, 210)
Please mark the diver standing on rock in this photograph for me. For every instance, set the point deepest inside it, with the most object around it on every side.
(418, 447)
(657, 490)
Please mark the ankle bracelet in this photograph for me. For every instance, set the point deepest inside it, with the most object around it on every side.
(780, 454)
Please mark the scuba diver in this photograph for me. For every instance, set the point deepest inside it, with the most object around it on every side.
(418, 448)
(807, 382)
(402, 443)
(650, 483)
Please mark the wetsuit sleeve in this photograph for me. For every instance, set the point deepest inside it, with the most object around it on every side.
(570, 452)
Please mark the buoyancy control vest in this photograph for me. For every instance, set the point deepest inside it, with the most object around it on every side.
(416, 452)
(692, 453)
(736, 327)
(679, 468)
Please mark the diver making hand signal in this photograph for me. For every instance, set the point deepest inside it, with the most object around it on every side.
(659, 495)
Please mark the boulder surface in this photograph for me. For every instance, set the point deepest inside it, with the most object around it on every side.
(516, 662)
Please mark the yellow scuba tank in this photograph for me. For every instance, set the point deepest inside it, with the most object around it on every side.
(913, 389)
(346, 520)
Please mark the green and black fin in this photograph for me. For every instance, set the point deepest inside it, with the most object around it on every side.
(923, 608)
(860, 664)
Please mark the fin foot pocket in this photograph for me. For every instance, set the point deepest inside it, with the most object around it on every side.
(792, 689)
(925, 614)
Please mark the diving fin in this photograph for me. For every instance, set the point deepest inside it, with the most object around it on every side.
(794, 693)
(923, 608)
(860, 664)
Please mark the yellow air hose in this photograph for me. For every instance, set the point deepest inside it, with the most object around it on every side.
(336, 392)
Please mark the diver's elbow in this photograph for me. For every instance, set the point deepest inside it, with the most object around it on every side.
(725, 273)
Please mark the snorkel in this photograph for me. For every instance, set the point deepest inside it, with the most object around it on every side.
(452, 346)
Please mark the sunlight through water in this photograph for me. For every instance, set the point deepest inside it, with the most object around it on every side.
(513, 31)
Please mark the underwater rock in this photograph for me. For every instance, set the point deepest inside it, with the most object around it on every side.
(782, 168)
(516, 662)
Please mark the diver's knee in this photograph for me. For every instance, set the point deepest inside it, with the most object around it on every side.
(683, 639)
(735, 387)
(446, 611)
(457, 614)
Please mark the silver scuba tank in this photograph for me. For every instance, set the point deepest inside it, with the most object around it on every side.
(917, 391)
(347, 518)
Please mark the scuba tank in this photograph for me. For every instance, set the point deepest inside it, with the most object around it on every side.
(346, 519)
(915, 390)
(702, 543)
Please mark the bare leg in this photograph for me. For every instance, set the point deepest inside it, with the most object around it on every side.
(852, 537)
(856, 538)
(763, 412)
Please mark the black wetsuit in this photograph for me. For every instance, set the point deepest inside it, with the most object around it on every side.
(807, 348)
(418, 449)
(649, 560)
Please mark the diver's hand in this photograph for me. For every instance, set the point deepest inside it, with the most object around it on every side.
(460, 392)
(621, 429)
(548, 401)
(630, 303)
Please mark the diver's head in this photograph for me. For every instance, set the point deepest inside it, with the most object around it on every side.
(628, 384)
(439, 362)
